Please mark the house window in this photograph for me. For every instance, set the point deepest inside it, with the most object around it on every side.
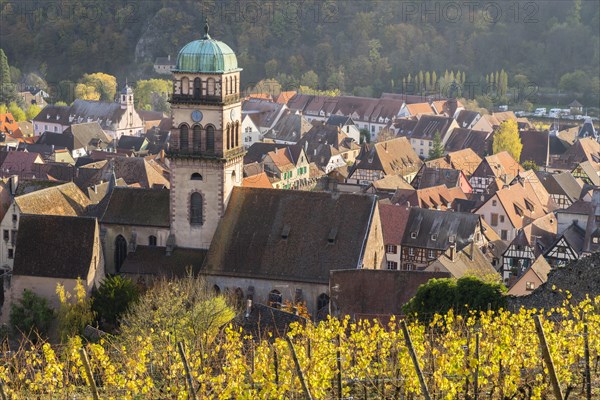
(275, 298)
(411, 252)
(14, 218)
(503, 234)
(431, 254)
(595, 239)
(391, 248)
(494, 220)
(196, 177)
(322, 301)
(392, 265)
(494, 203)
(10, 253)
(501, 218)
(196, 208)
(529, 286)
(6, 235)
(151, 240)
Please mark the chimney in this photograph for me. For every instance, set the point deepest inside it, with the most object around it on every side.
(453, 252)
(169, 57)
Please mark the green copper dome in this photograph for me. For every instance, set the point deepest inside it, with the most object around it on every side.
(206, 55)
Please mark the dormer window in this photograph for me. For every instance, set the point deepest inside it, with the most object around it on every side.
(452, 238)
(413, 235)
(434, 237)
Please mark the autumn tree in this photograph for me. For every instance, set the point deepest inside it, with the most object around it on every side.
(310, 79)
(17, 112)
(32, 111)
(152, 94)
(507, 139)
(96, 86)
(75, 311)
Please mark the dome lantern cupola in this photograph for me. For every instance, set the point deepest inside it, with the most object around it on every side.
(206, 56)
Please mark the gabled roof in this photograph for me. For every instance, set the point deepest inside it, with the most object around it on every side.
(540, 268)
(470, 260)
(575, 237)
(8, 124)
(265, 234)
(404, 126)
(55, 246)
(262, 112)
(258, 151)
(465, 160)
(284, 97)
(339, 120)
(466, 118)
(429, 125)
(132, 169)
(391, 183)
(106, 114)
(500, 165)
(429, 177)
(393, 222)
(563, 183)
(420, 108)
(479, 142)
(393, 157)
(138, 207)
(65, 199)
(88, 135)
(260, 180)
(132, 142)
(536, 147)
(54, 114)
(433, 229)
(21, 163)
(585, 149)
(520, 204)
(290, 127)
(153, 261)
(541, 233)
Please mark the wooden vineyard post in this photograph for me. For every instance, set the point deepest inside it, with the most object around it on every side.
(186, 366)
(338, 356)
(299, 370)
(413, 356)
(476, 377)
(88, 372)
(588, 374)
(547, 357)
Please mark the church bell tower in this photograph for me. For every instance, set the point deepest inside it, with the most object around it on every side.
(206, 153)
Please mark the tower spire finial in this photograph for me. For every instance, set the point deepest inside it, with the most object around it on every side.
(206, 27)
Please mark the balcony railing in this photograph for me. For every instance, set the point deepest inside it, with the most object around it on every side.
(210, 100)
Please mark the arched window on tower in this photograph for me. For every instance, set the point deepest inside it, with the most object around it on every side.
(196, 209)
(196, 135)
(185, 85)
(196, 177)
(197, 88)
(227, 134)
(210, 139)
(226, 85)
(210, 87)
(234, 84)
(184, 140)
(237, 133)
(120, 252)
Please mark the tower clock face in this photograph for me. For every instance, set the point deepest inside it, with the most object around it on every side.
(234, 114)
(197, 116)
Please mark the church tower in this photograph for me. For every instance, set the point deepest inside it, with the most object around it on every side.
(206, 152)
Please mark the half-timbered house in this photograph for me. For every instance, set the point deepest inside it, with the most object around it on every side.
(567, 247)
